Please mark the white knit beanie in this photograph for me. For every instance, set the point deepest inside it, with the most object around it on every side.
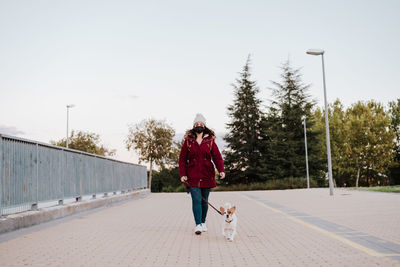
(199, 118)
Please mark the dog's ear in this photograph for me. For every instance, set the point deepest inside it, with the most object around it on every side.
(233, 209)
(221, 209)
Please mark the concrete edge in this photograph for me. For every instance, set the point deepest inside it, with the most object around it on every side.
(29, 218)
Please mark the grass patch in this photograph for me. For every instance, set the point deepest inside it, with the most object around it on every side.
(387, 189)
(279, 184)
(170, 189)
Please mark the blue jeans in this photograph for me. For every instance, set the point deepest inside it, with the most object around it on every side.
(199, 206)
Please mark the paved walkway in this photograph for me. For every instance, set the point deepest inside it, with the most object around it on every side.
(275, 228)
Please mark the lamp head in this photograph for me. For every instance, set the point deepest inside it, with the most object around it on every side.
(70, 106)
(315, 52)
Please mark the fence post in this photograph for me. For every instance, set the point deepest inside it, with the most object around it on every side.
(80, 167)
(1, 174)
(112, 179)
(35, 205)
(63, 177)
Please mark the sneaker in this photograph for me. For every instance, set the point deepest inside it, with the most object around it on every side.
(197, 229)
(204, 227)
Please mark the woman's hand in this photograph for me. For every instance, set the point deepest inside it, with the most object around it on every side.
(222, 175)
(183, 179)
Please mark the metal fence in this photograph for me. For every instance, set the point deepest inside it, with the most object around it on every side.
(33, 172)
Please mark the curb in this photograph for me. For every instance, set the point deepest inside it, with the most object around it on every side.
(30, 218)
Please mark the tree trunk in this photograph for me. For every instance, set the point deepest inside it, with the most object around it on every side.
(150, 174)
(358, 176)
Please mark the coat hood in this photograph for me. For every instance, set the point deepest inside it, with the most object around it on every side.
(207, 132)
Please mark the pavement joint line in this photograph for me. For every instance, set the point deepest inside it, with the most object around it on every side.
(323, 231)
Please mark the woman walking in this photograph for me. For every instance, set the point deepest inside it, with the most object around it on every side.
(196, 169)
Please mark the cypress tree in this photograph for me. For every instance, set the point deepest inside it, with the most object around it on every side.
(284, 151)
(243, 156)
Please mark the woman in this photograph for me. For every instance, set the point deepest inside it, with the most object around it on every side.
(196, 169)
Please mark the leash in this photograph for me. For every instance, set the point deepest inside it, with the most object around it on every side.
(203, 199)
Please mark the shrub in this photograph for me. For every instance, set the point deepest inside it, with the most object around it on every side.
(168, 188)
(165, 178)
(181, 188)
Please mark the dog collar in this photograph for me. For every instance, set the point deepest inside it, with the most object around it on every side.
(229, 221)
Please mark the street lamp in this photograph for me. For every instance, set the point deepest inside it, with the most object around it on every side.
(319, 52)
(68, 107)
(305, 143)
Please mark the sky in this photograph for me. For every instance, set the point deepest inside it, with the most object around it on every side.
(121, 62)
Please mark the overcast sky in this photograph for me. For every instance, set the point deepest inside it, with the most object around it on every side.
(121, 62)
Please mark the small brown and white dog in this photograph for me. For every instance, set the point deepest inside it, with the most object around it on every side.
(230, 221)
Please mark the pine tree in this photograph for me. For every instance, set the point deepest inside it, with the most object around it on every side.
(283, 131)
(242, 156)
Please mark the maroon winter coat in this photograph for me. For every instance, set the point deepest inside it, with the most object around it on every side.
(195, 161)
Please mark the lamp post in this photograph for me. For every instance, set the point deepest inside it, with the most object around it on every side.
(319, 52)
(68, 107)
(305, 143)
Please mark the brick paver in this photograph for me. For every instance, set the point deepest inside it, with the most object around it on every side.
(158, 231)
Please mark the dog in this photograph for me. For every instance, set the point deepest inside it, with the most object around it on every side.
(230, 221)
